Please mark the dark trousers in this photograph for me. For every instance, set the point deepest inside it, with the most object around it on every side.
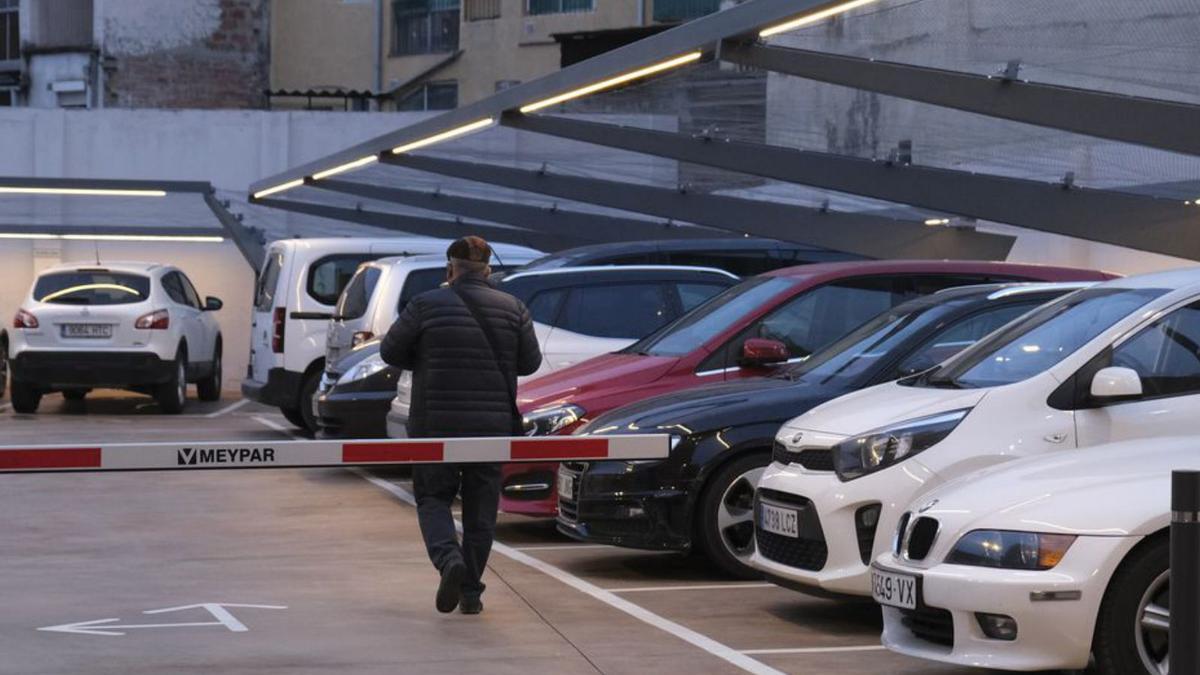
(435, 487)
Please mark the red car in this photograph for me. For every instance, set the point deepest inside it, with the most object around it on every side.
(777, 317)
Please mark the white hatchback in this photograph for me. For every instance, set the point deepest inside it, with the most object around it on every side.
(136, 326)
(1119, 360)
(1040, 563)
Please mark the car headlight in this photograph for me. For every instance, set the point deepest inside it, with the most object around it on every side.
(1012, 550)
(551, 420)
(875, 450)
(364, 369)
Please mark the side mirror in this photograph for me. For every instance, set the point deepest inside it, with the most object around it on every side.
(1116, 382)
(762, 352)
(212, 304)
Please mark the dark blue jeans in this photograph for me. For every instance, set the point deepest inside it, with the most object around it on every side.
(435, 487)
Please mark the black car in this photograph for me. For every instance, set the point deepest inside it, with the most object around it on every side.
(743, 256)
(722, 435)
(355, 393)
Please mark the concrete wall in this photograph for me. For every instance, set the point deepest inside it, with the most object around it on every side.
(1144, 48)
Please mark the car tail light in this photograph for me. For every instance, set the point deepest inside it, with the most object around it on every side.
(156, 320)
(24, 319)
(361, 337)
(278, 325)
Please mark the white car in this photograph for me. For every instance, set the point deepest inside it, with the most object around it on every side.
(136, 326)
(1040, 563)
(300, 282)
(372, 301)
(1115, 361)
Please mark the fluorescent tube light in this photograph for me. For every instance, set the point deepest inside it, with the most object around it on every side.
(345, 167)
(808, 19)
(937, 221)
(196, 239)
(444, 136)
(613, 82)
(279, 188)
(81, 191)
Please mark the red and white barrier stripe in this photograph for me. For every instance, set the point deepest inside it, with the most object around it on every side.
(296, 454)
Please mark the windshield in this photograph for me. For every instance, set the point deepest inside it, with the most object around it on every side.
(722, 312)
(857, 353)
(1039, 340)
(92, 287)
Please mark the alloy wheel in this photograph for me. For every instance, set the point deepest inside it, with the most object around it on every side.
(735, 515)
(1153, 624)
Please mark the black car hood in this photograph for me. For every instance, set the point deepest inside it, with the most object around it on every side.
(718, 406)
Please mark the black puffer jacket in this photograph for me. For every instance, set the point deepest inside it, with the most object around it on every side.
(457, 389)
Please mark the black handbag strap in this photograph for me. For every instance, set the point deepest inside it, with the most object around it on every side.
(493, 343)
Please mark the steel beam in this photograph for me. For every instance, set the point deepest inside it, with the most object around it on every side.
(1167, 125)
(430, 227)
(1166, 226)
(250, 242)
(864, 234)
(704, 33)
(591, 226)
(169, 186)
(113, 230)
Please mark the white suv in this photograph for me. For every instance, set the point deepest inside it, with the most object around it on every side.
(136, 326)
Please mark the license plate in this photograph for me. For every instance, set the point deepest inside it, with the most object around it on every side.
(894, 590)
(87, 330)
(785, 522)
(566, 484)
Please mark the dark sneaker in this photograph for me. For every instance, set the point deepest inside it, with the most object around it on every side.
(470, 605)
(450, 589)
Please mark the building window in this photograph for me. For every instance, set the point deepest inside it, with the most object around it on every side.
(10, 31)
(682, 10)
(424, 26)
(431, 96)
(8, 98)
(558, 6)
(480, 10)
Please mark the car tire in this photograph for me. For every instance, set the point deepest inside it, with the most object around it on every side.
(293, 416)
(172, 394)
(3, 369)
(209, 388)
(725, 522)
(1135, 598)
(308, 389)
(75, 394)
(25, 397)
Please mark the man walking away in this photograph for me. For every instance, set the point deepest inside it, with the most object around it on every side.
(465, 344)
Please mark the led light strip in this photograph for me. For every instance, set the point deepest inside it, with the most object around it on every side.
(808, 19)
(345, 167)
(81, 191)
(279, 188)
(184, 238)
(444, 136)
(613, 82)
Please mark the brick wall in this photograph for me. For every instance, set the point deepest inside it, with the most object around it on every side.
(222, 61)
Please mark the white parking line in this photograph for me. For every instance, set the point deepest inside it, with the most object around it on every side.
(816, 650)
(228, 409)
(270, 424)
(560, 547)
(683, 633)
(699, 587)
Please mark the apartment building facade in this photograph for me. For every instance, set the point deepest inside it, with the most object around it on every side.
(436, 54)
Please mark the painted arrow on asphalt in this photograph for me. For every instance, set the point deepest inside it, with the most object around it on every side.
(216, 609)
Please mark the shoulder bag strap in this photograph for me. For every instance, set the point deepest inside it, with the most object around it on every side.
(493, 343)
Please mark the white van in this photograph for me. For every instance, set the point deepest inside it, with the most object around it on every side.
(1117, 361)
(297, 289)
(372, 301)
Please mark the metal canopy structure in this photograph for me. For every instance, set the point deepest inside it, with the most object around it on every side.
(859, 233)
(249, 242)
(1162, 224)
(1168, 125)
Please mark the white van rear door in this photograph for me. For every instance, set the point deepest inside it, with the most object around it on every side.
(268, 293)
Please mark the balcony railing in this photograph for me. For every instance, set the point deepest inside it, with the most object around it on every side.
(558, 6)
(481, 10)
(683, 10)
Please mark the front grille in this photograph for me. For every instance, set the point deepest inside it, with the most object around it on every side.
(568, 505)
(813, 459)
(808, 551)
(898, 539)
(920, 538)
(930, 624)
